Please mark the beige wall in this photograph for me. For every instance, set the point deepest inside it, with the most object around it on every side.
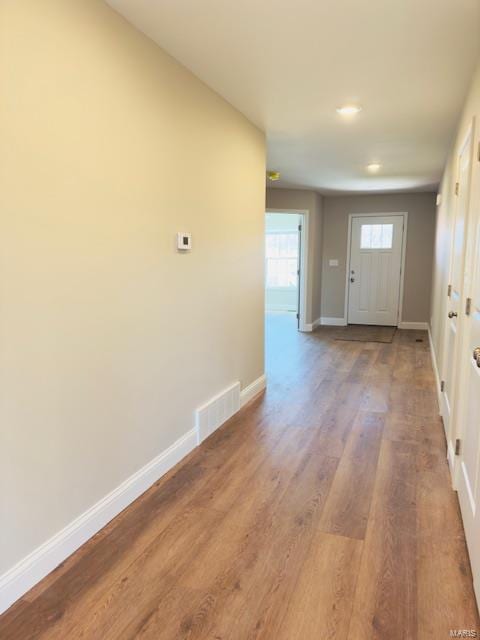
(419, 251)
(312, 202)
(109, 339)
(445, 215)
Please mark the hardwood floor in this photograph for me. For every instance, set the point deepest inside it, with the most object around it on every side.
(322, 510)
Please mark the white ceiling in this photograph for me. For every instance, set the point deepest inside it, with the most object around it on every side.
(288, 64)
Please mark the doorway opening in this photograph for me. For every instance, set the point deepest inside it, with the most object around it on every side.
(286, 260)
(282, 263)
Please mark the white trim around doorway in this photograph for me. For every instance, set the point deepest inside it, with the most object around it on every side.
(304, 280)
(404, 214)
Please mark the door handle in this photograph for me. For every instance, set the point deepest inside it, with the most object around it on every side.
(452, 314)
(352, 279)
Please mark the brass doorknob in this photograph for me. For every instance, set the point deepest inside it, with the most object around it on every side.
(476, 355)
(452, 314)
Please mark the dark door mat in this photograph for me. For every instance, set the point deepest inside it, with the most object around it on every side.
(366, 333)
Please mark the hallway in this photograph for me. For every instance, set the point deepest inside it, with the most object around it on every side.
(321, 510)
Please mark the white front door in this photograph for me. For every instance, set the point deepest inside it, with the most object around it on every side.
(457, 268)
(375, 269)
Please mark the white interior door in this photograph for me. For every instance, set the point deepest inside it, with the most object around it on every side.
(375, 269)
(466, 412)
(457, 269)
(468, 471)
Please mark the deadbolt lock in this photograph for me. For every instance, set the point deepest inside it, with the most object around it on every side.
(452, 314)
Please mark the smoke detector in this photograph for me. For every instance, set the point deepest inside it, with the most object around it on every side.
(273, 175)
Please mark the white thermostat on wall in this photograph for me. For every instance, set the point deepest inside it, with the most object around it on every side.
(184, 241)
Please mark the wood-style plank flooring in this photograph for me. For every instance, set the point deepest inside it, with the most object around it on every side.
(321, 510)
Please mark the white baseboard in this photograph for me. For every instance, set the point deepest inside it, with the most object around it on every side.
(476, 589)
(334, 322)
(253, 389)
(311, 326)
(436, 372)
(38, 564)
(26, 573)
(418, 326)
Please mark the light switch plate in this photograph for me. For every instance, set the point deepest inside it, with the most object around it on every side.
(184, 241)
(333, 263)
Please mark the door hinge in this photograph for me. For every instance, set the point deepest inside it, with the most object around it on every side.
(457, 188)
(449, 290)
(298, 316)
(299, 227)
(298, 272)
(442, 385)
(468, 306)
(457, 447)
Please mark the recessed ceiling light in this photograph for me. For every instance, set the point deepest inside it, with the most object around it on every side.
(373, 167)
(273, 175)
(349, 110)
